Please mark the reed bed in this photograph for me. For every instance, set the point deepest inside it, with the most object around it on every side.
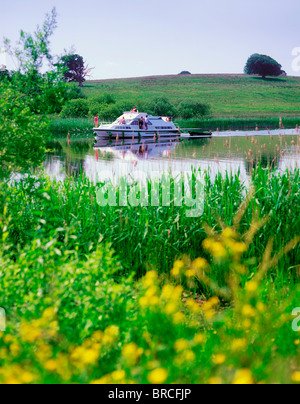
(151, 237)
(78, 128)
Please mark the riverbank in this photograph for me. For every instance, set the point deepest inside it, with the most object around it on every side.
(83, 127)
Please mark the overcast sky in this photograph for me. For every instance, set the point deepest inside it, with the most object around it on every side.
(123, 38)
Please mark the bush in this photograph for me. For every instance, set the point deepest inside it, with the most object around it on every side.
(78, 108)
(189, 110)
(22, 133)
(162, 107)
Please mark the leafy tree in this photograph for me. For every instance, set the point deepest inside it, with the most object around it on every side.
(75, 69)
(33, 49)
(185, 73)
(263, 66)
(22, 134)
(46, 92)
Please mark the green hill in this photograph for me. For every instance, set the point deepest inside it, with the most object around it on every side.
(230, 96)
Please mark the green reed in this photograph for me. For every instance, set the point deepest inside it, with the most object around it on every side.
(152, 237)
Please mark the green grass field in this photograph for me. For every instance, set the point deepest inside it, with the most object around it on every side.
(237, 96)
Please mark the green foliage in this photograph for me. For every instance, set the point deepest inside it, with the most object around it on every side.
(32, 49)
(263, 66)
(76, 108)
(190, 110)
(161, 106)
(46, 92)
(22, 134)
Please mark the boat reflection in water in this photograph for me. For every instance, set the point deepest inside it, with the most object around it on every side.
(134, 150)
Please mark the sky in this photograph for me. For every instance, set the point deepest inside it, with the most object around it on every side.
(126, 38)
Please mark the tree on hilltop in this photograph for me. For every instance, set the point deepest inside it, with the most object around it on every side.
(263, 66)
(75, 69)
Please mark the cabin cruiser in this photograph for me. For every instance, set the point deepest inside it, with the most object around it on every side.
(138, 125)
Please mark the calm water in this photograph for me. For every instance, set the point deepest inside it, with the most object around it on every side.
(236, 151)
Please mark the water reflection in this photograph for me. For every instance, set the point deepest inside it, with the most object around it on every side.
(114, 159)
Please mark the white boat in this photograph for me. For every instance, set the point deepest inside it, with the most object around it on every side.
(138, 125)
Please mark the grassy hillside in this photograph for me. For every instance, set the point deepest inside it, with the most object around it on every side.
(230, 96)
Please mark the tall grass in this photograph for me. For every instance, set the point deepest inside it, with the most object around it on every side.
(225, 124)
(151, 237)
(77, 127)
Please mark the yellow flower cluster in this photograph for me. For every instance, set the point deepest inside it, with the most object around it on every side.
(225, 246)
(167, 300)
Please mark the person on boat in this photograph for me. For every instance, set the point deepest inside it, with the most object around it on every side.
(135, 109)
(123, 121)
(141, 123)
(146, 122)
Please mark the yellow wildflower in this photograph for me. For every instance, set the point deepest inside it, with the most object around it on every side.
(158, 376)
(215, 381)
(243, 376)
(49, 313)
(178, 318)
(167, 292)
(152, 291)
(90, 356)
(296, 377)
(131, 353)
(251, 286)
(200, 263)
(193, 306)
(112, 331)
(248, 311)
(51, 365)
(199, 339)
(118, 375)
(190, 273)
(219, 359)
(181, 345)
(171, 308)
(238, 344)
(229, 233)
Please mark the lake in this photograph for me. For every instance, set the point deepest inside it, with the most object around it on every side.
(223, 152)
